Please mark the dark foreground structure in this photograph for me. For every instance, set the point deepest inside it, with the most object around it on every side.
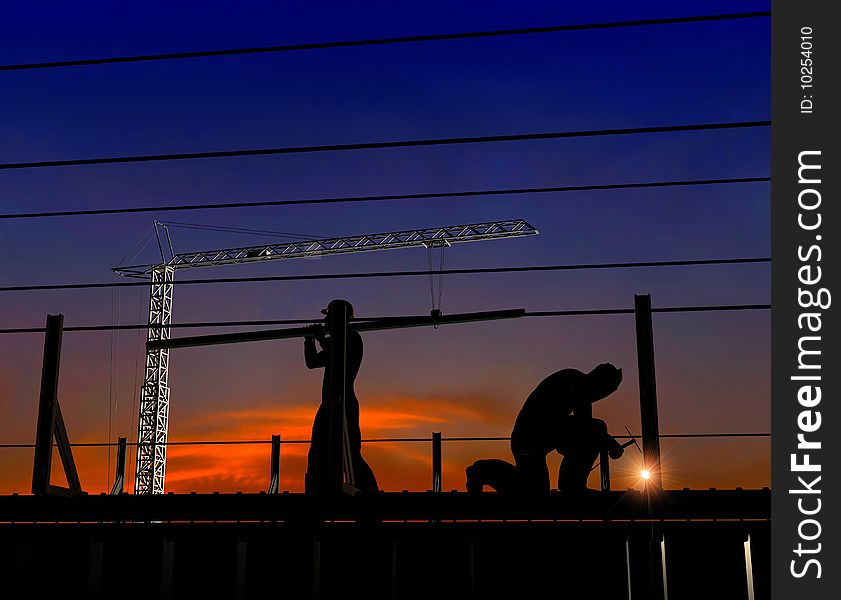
(712, 543)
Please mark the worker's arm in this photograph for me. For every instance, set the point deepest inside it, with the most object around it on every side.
(312, 357)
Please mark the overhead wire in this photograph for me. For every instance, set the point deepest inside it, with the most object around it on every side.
(387, 274)
(385, 197)
(409, 39)
(538, 313)
(391, 144)
(701, 435)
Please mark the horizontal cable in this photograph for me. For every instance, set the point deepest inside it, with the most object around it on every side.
(664, 309)
(376, 440)
(378, 41)
(546, 313)
(482, 139)
(386, 274)
(383, 198)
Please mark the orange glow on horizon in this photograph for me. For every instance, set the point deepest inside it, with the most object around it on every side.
(398, 466)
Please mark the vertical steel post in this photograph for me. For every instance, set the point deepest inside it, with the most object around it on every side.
(120, 475)
(316, 568)
(749, 568)
(66, 455)
(339, 318)
(663, 566)
(167, 557)
(94, 582)
(648, 389)
(604, 470)
(649, 545)
(241, 568)
(45, 428)
(50, 422)
(437, 481)
(471, 591)
(274, 474)
(153, 417)
(392, 579)
(628, 563)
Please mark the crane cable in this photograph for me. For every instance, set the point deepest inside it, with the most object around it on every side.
(138, 247)
(113, 376)
(436, 310)
(225, 229)
(136, 371)
(129, 256)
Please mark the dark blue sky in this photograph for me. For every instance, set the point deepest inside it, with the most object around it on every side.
(713, 368)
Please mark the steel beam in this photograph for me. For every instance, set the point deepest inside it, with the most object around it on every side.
(51, 422)
(649, 418)
(274, 472)
(437, 480)
(360, 326)
(45, 428)
(120, 475)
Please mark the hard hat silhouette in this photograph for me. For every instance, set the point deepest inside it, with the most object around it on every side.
(338, 305)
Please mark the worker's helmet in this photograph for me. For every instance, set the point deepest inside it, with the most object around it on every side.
(338, 305)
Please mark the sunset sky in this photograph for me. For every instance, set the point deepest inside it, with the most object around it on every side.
(713, 369)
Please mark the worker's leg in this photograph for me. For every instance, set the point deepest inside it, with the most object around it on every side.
(366, 481)
(364, 478)
(583, 439)
(316, 477)
(532, 473)
(492, 472)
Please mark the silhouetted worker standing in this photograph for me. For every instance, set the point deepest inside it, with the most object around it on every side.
(557, 415)
(317, 477)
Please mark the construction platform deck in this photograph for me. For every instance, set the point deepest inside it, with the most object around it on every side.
(713, 543)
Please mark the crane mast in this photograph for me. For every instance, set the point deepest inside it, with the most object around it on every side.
(153, 418)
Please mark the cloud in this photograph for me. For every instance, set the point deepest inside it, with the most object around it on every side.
(397, 465)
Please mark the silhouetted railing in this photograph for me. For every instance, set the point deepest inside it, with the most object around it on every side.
(436, 440)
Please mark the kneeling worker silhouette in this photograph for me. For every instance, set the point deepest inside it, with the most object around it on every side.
(316, 479)
(557, 415)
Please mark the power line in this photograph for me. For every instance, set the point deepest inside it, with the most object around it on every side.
(385, 197)
(664, 309)
(545, 313)
(378, 41)
(386, 274)
(174, 325)
(386, 440)
(483, 139)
